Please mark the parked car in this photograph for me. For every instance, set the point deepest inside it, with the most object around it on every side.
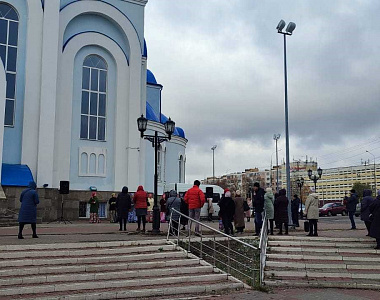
(358, 209)
(332, 209)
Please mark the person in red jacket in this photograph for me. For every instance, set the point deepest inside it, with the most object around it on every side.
(140, 201)
(195, 199)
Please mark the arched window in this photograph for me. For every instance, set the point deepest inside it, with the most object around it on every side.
(94, 96)
(180, 163)
(8, 54)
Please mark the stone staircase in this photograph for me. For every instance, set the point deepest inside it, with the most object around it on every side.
(296, 261)
(106, 270)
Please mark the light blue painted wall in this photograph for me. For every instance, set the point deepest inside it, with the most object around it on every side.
(153, 97)
(99, 24)
(79, 182)
(13, 135)
(134, 12)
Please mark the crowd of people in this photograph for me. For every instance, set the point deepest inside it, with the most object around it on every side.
(234, 209)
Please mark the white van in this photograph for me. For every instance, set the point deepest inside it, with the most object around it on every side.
(182, 188)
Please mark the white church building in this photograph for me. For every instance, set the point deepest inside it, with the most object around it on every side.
(73, 81)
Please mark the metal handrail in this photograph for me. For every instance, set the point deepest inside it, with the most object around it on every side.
(228, 259)
(263, 247)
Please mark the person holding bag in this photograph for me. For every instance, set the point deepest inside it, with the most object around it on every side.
(312, 213)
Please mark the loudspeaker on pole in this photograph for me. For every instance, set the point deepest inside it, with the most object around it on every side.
(64, 187)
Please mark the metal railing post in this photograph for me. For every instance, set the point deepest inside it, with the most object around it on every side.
(214, 252)
(253, 269)
(179, 229)
(201, 242)
(229, 260)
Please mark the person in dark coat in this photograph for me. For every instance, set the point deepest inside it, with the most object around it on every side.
(112, 208)
(94, 208)
(364, 209)
(28, 210)
(123, 204)
(227, 211)
(351, 207)
(185, 211)
(295, 206)
(374, 210)
(258, 206)
(281, 211)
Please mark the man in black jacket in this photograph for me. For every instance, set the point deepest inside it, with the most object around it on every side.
(258, 205)
(351, 207)
(295, 206)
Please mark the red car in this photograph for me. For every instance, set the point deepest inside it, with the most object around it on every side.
(332, 209)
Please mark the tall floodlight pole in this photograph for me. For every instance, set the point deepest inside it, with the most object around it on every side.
(213, 163)
(276, 138)
(374, 169)
(288, 31)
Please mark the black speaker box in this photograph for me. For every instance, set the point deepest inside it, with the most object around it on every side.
(64, 187)
(209, 192)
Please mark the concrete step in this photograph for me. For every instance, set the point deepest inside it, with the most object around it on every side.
(85, 252)
(151, 261)
(324, 284)
(108, 284)
(324, 251)
(163, 271)
(278, 265)
(355, 245)
(72, 246)
(317, 238)
(300, 257)
(311, 274)
(87, 259)
(155, 293)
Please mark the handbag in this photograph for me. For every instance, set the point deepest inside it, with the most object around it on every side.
(245, 206)
(306, 226)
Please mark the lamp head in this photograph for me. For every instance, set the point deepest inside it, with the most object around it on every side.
(142, 123)
(169, 127)
(319, 172)
(302, 181)
(213, 147)
(309, 173)
(280, 25)
(290, 28)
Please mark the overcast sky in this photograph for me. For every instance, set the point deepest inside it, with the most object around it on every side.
(222, 68)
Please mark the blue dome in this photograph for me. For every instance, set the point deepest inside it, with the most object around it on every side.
(181, 132)
(145, 54)
(150, 77)
(150, 114)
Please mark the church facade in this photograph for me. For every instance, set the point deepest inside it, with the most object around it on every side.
(73, 81)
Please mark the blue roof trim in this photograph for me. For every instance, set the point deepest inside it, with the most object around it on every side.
(145, 54)
(150, 114)
(15, 175)
(150, 77)
(125, 54)
(105, 15)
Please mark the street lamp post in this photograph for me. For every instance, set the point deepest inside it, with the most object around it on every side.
(288, 31)
(374, 169)
(156, 140)
(276, 138)
(300, 182)
(314, 177)
(213, 163)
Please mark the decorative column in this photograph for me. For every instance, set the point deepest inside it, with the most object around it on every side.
(48, 92)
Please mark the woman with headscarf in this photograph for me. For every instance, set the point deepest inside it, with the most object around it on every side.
(269, 207)
(173, 203)
(140, 200)
(112, 208)
(28, 210)
(94, 208)
(123, 204)
(281, 211)
(239, 212)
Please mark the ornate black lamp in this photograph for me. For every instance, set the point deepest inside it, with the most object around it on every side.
(315, 178)
(300, 182)
(156, 140)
